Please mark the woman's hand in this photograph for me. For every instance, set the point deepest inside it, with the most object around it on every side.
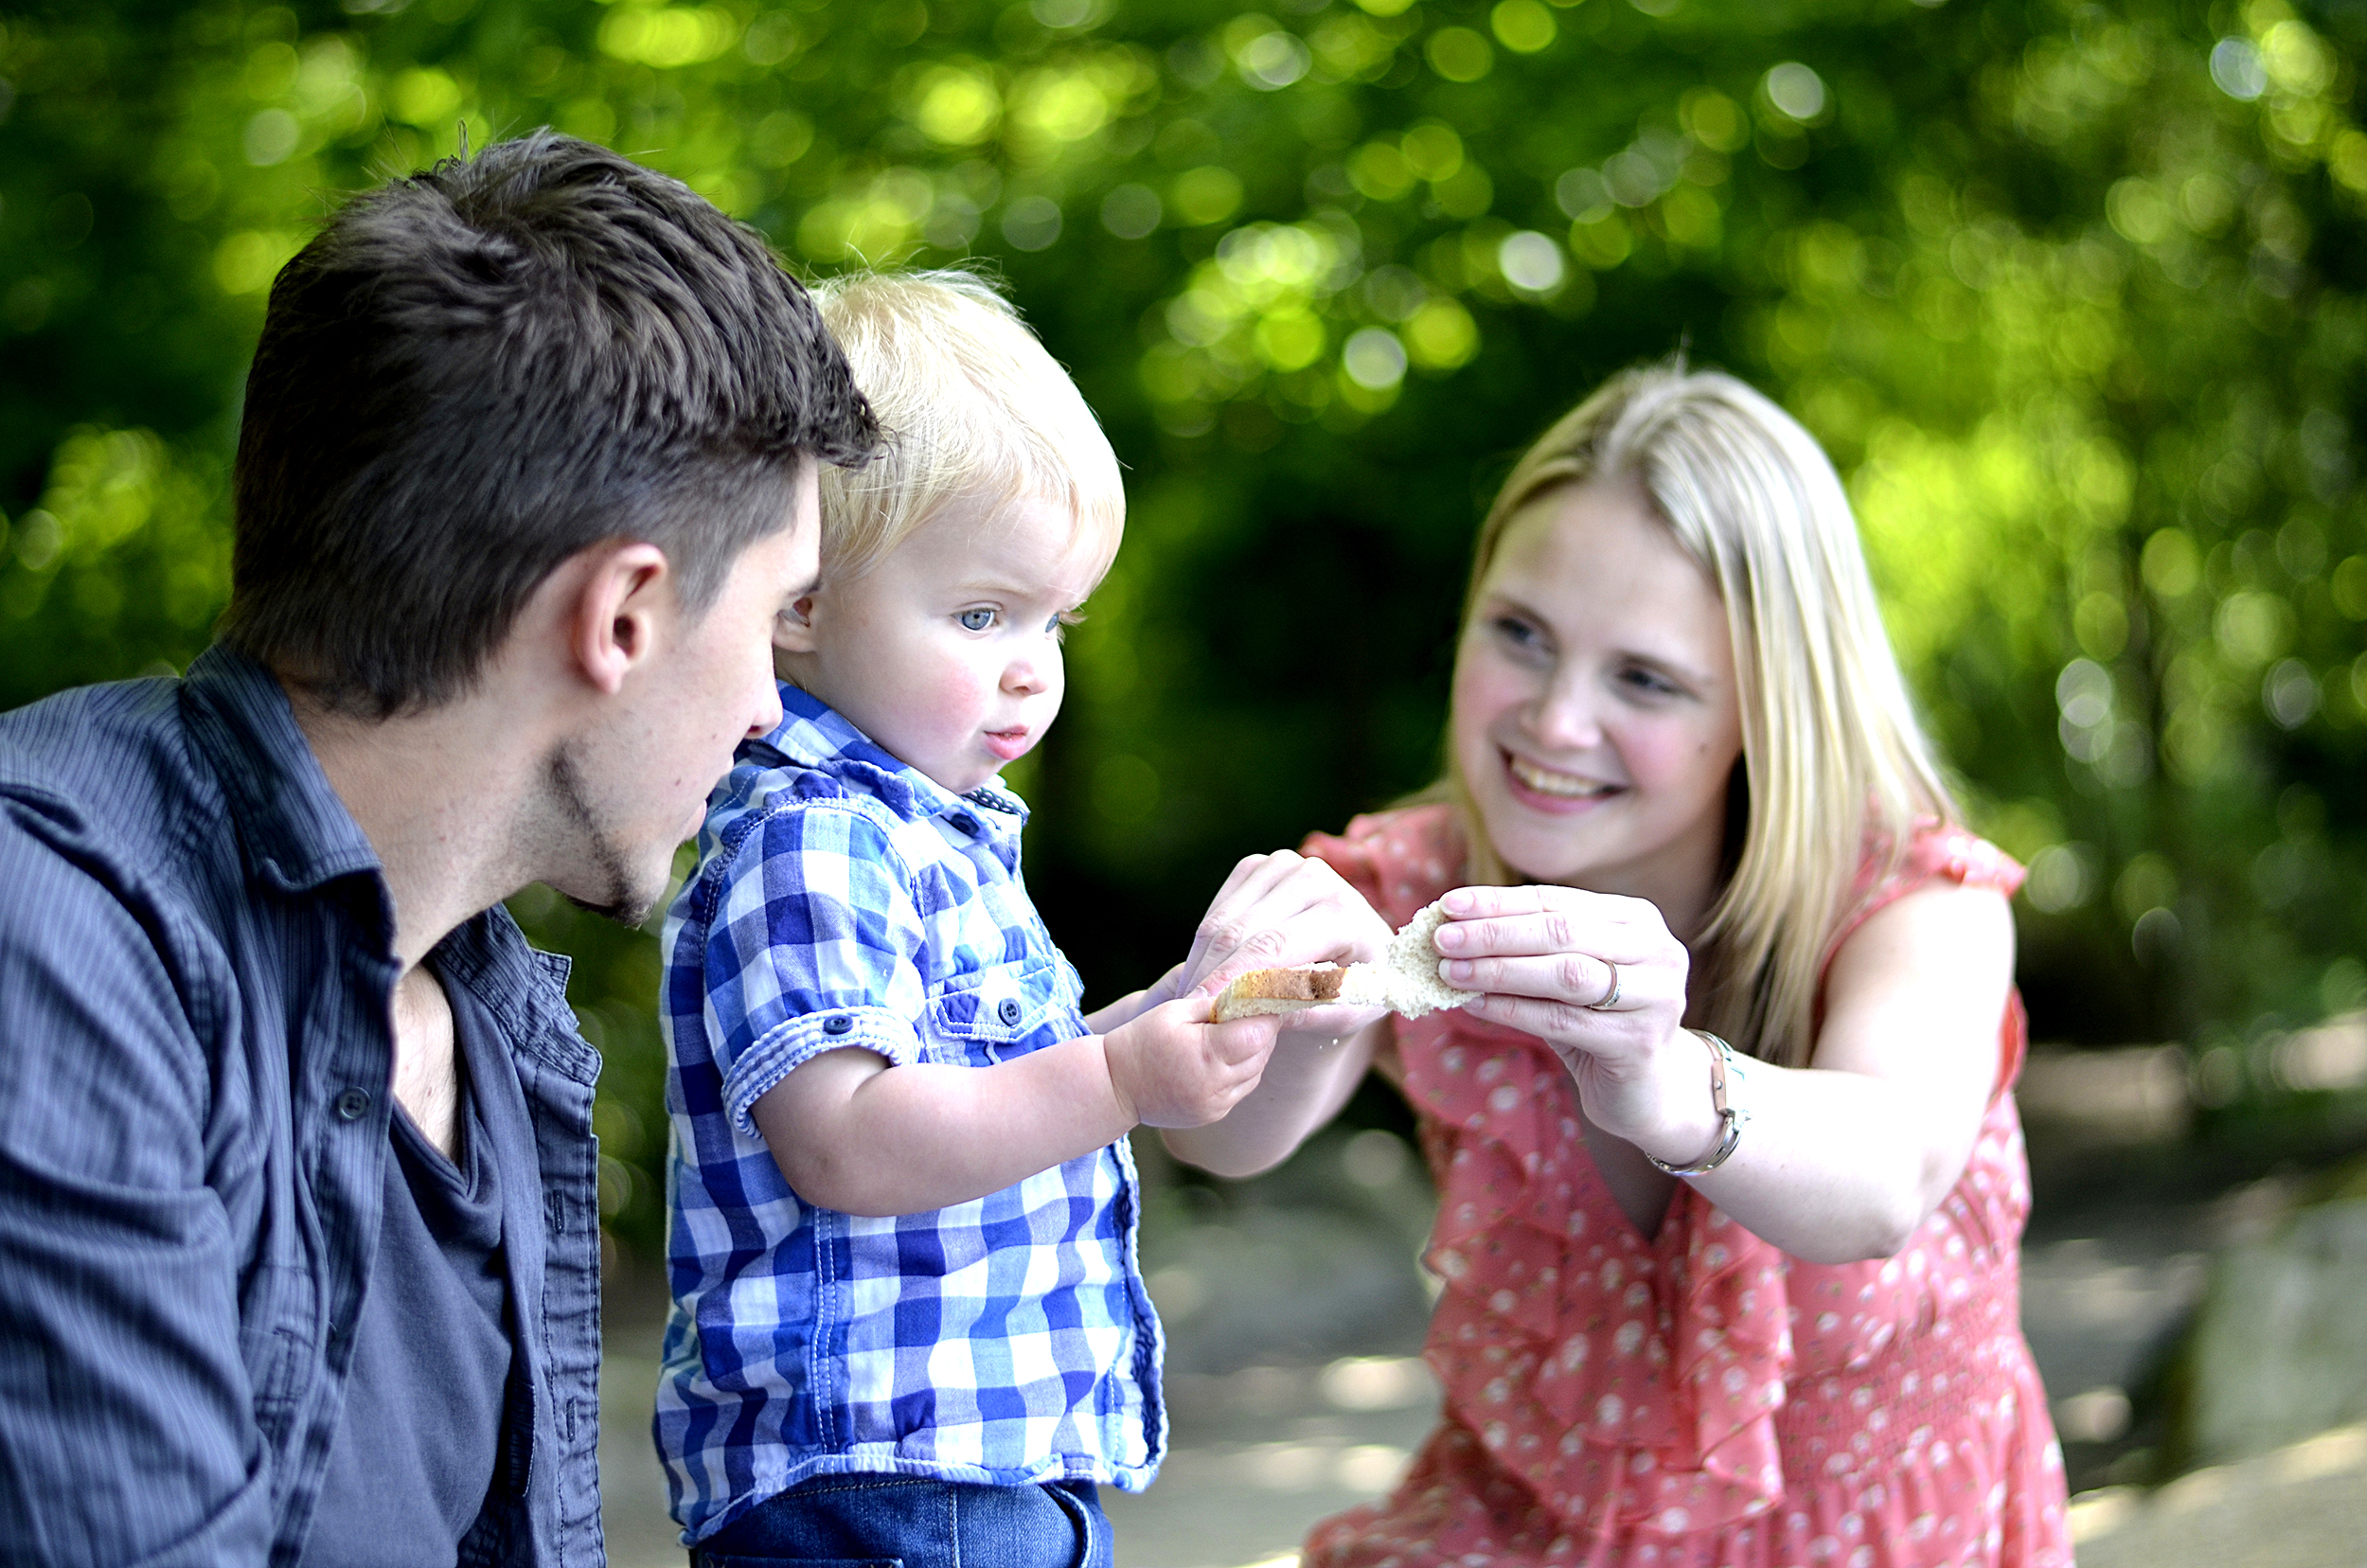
(1280, 910)
(1277, 910)
(1599, 979)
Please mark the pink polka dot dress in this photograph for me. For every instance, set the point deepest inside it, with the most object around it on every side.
(1697, 1398)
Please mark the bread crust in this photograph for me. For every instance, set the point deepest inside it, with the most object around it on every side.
(1405, 981)
(1277, 990)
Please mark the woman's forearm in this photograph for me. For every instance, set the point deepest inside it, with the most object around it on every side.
(1307, 1079)
(1841, 1161)
(1832, 1166)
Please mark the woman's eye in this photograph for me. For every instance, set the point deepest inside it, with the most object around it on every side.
(976, 620)
(1518, 632)
(1646, 682)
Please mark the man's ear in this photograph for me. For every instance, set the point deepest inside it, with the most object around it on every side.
(792, 628)
(626, 603)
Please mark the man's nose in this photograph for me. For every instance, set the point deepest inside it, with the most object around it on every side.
(768, 712)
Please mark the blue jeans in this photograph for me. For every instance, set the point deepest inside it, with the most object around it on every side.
(912, 1522)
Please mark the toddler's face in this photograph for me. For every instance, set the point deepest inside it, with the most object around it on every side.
(948, 652)
(1594, 718)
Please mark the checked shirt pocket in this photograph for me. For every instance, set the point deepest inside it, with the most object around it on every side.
(993, 1014)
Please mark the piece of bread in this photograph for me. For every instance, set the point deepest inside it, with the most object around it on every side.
(1277, 990)
(1405, 981)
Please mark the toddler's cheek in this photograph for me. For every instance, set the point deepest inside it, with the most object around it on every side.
(958, 699)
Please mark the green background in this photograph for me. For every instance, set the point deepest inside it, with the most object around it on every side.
(2072, 293)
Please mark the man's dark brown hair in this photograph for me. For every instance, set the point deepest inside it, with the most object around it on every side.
(476, 372)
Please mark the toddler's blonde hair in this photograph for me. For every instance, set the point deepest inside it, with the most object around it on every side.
(971, 406)
(1833, 759)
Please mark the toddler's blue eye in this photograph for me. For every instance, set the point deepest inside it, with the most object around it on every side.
(976, 620)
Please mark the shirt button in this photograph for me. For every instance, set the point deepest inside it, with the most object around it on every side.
(1009, 1011)
(353, 1104)
(837, 1023)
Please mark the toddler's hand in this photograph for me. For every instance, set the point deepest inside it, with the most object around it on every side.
(1173, 1068)
(1279, 910)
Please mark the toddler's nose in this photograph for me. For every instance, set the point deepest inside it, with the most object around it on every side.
(1025, 677)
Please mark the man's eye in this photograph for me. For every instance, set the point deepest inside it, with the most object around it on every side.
(976, 620)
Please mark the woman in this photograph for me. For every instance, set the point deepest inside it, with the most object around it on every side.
(1703, 1305)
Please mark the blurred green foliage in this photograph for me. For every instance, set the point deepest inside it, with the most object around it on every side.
(2072, 294)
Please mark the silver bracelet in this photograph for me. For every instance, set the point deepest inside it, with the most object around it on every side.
(1726, 1076)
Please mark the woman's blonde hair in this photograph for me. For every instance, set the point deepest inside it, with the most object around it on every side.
(1833, 760)
(971, 404)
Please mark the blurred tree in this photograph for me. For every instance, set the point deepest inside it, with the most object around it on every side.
(2071, 293)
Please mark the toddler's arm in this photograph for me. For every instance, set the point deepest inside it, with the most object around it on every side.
(1132, 1006)
(1274, 911)
(854, 1133)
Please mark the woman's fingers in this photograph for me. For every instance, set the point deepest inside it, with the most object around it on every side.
(1564, 1026)
(1223, 927)
(1585, 979)
(1593, 975)
(1467, 904)
(1552, 930)
(1283, 909)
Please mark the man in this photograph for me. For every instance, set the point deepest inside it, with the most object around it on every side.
(298, 1228)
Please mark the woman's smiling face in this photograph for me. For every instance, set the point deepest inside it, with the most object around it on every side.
(1594, 720)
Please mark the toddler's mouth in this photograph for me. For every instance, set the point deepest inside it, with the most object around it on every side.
(1010, 744)
(1557, 786)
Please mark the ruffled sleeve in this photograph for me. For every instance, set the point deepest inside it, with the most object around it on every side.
(1939, 853)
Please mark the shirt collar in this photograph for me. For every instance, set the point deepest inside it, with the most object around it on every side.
(290, 817)
(814, 735)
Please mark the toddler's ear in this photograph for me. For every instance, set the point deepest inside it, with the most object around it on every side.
(792, 628)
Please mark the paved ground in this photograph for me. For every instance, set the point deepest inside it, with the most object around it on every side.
(1229, 1498)
(2303, 1506)
(1269, 1291)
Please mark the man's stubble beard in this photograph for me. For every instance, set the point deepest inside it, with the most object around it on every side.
(622, 896)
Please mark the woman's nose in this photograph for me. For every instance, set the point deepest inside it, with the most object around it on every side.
(1562, 716)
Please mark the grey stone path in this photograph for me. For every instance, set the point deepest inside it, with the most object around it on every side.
(1272, 1289)
(2302, 1507)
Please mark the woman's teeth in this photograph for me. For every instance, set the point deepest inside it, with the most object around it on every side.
(1545, 781)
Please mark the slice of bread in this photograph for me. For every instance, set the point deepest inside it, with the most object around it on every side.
(1410, 970)
(1405, 981)
(1278, 991)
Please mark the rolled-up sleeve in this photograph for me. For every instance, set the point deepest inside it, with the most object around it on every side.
(814, 947)
(127, 1427)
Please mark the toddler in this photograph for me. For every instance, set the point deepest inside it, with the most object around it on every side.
(908, 1321)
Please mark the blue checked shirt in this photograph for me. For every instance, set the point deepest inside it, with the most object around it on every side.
(843, 899)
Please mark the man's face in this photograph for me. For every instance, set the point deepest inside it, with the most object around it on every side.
(635, 788)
